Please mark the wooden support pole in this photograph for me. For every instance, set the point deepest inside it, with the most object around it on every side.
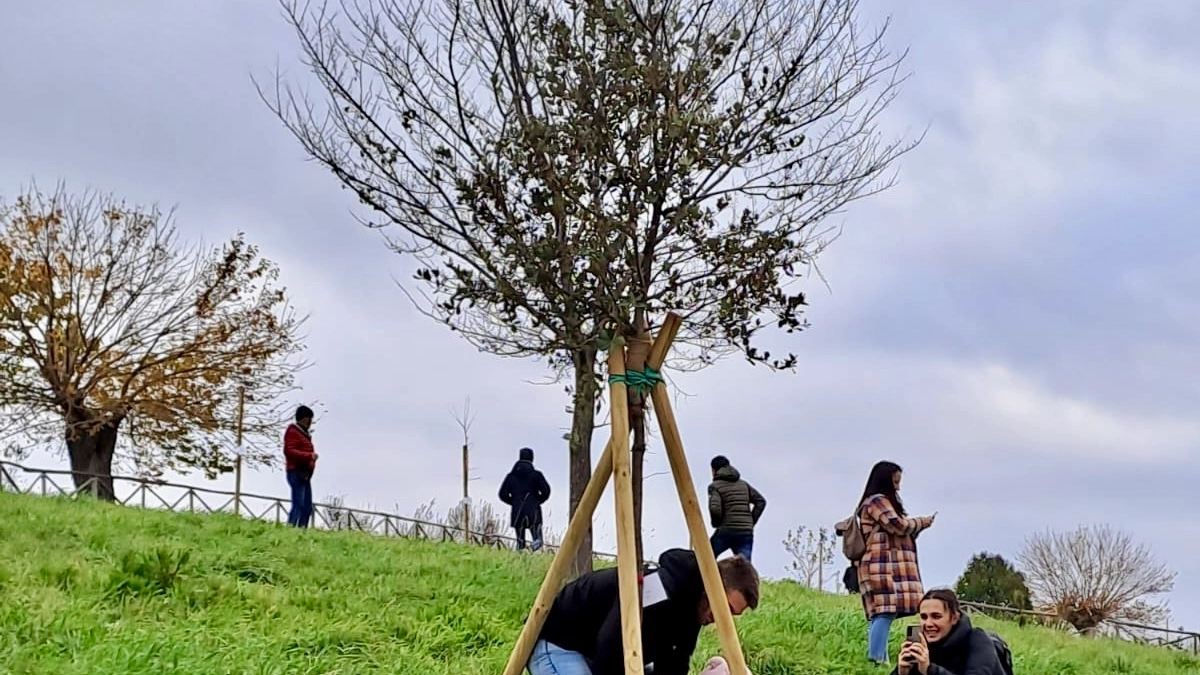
(627, 562)
(580, 521)
(466, 500)
(731, 647)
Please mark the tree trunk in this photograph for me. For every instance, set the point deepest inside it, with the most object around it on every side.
(91, 456)
(637, 351)
(583, 421)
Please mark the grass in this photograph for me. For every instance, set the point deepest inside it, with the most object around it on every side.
(94, 588)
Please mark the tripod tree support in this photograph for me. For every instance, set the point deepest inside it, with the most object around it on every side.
(582, 519)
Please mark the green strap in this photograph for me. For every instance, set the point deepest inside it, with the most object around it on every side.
(638, 380)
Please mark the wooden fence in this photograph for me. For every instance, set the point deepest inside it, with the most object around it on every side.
(159, 494)
(1126, 630)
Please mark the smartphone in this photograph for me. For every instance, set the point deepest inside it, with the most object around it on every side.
(913, 634)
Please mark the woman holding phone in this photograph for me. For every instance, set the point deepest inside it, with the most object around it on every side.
(889, 578)
(945, 643)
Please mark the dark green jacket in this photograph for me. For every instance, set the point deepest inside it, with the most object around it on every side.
(733, 504)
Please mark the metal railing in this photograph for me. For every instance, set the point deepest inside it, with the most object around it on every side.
(1126, 630)
(151, 493)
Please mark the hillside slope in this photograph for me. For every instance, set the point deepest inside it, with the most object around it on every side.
(93, 588)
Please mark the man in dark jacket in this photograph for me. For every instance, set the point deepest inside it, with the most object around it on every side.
(735, 507)
(582, 634)
(525, 489)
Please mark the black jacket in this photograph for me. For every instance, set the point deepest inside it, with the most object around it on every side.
(586, 617)
(734, 506)
(525, 489)
(965, 651)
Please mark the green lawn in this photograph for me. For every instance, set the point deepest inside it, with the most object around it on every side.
(93, 588)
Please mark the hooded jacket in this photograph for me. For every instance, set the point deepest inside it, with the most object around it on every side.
(733, 504)
(586, 617)
(298, 450)
(964, 651)
(525, 489)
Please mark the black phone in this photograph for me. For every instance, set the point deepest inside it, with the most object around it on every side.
(913, 634)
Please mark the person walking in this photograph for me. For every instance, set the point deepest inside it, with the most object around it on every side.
(734, 507)
(525, 489)
(300, 460)
(889, 578)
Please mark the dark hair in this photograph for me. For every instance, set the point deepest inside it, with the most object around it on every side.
(737, 574)
(719, 462)
(947, 597)
(304, 412)
(880, 482)
(526, 454)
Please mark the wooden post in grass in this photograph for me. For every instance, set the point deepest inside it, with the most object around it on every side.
(614, 458)
(731, 647)
(237, 467)
(627, 563)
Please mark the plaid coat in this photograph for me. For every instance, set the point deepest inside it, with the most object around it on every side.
(888, 575)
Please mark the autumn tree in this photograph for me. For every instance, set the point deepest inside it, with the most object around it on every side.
(992, 580)
(563, 171)
(120, 341)
(812, 552)
(1095, 574)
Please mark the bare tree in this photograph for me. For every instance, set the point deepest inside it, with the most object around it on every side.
(1095, 574)
(812, 553)
(565, 170)
(119, 340)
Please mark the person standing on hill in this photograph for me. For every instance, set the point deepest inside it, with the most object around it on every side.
(525, 489)
(734, 507)
(889, 578)
(301, 460)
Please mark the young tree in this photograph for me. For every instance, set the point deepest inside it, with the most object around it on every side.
(117, 340)
(812, 553)
(1095, 574)
(990, 579)
(563, 171)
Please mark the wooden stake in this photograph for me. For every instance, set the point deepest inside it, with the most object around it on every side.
(561, 565)
(466, 514)
(627, 563)
(731, 647)
(237, 466)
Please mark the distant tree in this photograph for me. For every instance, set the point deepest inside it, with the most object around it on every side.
(122, 343)
(1095, 574)
(563, 173)
(812, 553)
(990, 579)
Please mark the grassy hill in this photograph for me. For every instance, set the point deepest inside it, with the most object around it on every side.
(92, 588)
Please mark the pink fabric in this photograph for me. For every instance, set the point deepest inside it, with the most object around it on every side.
(718, 666)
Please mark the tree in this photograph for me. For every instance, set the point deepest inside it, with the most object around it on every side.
(990, 579)
(120, 342)
(1095, 574)
(564, 171)
(812, 553)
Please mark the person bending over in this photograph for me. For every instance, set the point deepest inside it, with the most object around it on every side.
(582, 633)
(950, 645)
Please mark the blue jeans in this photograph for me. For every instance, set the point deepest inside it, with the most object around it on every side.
(550, 659)
(740, 544)
(302, 500)
(877, 637)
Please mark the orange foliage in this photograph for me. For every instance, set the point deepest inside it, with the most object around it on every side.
(106, 320)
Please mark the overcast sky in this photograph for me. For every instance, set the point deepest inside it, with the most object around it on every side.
(1015, 323)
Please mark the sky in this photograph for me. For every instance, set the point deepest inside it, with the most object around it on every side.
(1014, 322)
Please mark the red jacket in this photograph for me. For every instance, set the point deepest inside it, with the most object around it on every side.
(298, 449)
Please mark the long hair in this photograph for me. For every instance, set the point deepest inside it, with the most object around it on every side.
(880, 483)
(947, 598)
